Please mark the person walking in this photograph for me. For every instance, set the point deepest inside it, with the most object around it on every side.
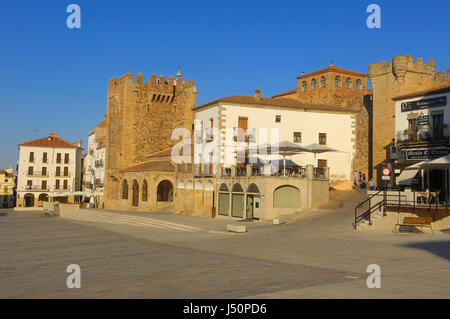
(355, 178)
(371, 184)
(363, 182)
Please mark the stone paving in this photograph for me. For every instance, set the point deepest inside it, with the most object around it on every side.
(126, 255)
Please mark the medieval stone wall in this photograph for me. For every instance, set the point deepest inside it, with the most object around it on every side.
(401, 76)
(140, 119)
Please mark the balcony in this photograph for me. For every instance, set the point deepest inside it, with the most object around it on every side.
(98, 182)
(62, 174)
(252, 171)
(35, 188)
(423, 138)
(37, 174)
(99, 163)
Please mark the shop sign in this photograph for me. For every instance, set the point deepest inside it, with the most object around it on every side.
(426, 154)
(424, 104)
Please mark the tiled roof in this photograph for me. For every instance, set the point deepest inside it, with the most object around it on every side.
(50, 141)
(333, 68)
(281, 103)
(286, 93)
(152, 166)
(168, 152)
(7, 174)
(438, 90)
(101, 125)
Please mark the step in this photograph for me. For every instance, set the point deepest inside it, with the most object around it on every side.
(236, 228)
(280, 220)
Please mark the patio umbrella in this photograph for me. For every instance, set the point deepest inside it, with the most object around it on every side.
(319, 148)
(283, 148)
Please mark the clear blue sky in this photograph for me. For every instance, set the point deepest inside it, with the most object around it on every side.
(54, 78)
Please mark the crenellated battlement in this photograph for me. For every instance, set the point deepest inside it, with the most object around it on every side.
(158, 89)
(400, 65)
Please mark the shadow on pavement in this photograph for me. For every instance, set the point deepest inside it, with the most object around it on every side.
(439, 248)
(3, 214)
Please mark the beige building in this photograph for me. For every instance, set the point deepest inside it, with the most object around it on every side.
(48, 166)
(7, 188)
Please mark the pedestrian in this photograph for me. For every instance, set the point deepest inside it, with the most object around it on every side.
(359, 178)
(363, 182)
(371, 184)
(355, 178)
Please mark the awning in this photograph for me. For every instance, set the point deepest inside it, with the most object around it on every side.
(407, 176)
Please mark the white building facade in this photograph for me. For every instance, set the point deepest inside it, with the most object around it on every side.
(94, 174)
(47, 166)
(274, 120)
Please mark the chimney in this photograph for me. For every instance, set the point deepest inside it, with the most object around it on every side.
(79, 143)
(55, 134)
(258, 94)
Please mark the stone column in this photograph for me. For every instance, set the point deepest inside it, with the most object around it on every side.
(248, 170)
(310, 171)
(233, 171)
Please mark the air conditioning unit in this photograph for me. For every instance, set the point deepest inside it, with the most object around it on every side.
(394, 152)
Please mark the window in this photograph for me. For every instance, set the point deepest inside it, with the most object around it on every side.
(58, 171)
(44, 185)
(65, 184)
(44, 158)
(44, 171)
(58, 183)
(412, 125)
(66, 158)
(359, 84)
(58, 158)
(304, 86)
(278, 118)
(297, 137)
(30, 170)
(31, 157)
(323, 138)
(313, 84)
(438, 126)
(348, 83)
(29, 184)
(322, 82)
(321, 163)
(338, 81)
(66, 171)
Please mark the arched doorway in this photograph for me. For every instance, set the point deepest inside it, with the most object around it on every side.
(224, 200)
(286, 196)
(135, 198)
(144, 191)
(29, 200)
(253, 207)
(125, 189)
(237, 201)
(164, 192)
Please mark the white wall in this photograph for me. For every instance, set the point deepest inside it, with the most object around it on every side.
(401, 118)
(338, 128)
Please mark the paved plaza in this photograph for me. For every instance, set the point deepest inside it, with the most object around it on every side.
(158, 255)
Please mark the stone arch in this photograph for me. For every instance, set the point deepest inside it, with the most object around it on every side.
(180, 184)
(124, 188)
(253, 188)
(358, 84)
(338, 81)
(164, 192)
(304, 86)
(322, 82)
(223, 188)
(237, 188)
(43, 197)
(286, 196)
(313, 84)
(224, 200)
(348, 83)
(144, 190)
(135, 193)
(29, 200)
(189, 185)
(198, 185)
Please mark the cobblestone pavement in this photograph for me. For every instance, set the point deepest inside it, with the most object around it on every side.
(35, 251)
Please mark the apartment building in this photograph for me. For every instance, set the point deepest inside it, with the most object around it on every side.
(7, 188)
(48, 166)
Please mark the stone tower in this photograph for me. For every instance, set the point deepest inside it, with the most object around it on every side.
(140, 119)
(401, 76)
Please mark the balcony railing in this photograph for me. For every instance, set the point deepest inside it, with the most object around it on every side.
(423, 136)
(37, 174)
(62, 174)
(300, 172)
(36, 188)
(98, 181)
(99, 163)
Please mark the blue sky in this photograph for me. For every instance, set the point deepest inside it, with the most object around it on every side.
(54, 78)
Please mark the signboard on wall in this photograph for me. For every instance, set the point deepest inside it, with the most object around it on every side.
(426, 154)
(424, 104)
